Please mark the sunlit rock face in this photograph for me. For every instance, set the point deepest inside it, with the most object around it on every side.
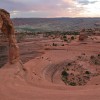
(7, 28)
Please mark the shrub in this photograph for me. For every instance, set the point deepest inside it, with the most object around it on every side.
(95, 60)
(69, 64)
(87, 72)
(72, 83)
(64, 37)
(62, 45)
(98, 55)
(92, 57)
(72, 37)
(20, 36)
(54, 44)
(83, 53)
(64, 75)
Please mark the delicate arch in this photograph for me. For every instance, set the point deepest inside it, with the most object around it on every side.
(6, 26)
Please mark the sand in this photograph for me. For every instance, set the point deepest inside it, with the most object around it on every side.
(41, 79)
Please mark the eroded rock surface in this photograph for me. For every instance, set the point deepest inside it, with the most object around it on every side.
(6, 26)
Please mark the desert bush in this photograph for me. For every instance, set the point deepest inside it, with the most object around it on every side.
(92, 57)
(98, 54)
(54, 44)
(72, 84)
(95, 60)
(72, 37)
(64, 73)
(87, 72)
(82, 37)
(64, 76)
(64, 37)
(62, 45)
(69, 64)
(83, 53)
(20, 36)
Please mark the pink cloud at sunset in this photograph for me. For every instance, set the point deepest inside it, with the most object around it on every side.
(52, 8)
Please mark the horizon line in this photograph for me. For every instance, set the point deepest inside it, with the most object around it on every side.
(52, 17)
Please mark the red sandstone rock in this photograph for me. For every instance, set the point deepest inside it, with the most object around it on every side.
(82, 35)
(6, 26)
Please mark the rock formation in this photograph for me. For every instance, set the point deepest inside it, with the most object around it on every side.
(6, 26)
(82, 35)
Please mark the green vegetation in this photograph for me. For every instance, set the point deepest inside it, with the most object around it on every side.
(20, 36)
(64, 25)
(98, 55)
(72, 84)
(64, 37)
(95, 59)
(87, 72)
(72, 37)
(69, 64)
(64, 73)
(54, 44)
(62, 45)
(64, 76)
(70, 33)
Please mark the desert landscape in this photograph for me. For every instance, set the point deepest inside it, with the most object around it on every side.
(49, 58)
(45, 61)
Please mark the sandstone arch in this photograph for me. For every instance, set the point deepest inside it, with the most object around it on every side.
(6, 26)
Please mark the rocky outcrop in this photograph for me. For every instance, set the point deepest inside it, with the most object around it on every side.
(6, 26)
(3, 54)
(83, 36)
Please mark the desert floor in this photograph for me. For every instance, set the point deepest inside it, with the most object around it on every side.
(41, 77)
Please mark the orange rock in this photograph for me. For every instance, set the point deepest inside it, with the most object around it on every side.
(6, 26)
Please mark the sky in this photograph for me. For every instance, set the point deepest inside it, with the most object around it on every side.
(51, 8)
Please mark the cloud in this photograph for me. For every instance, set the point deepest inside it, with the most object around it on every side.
(10, 5)
(46, 8)
(86, 2)
(92, 10)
